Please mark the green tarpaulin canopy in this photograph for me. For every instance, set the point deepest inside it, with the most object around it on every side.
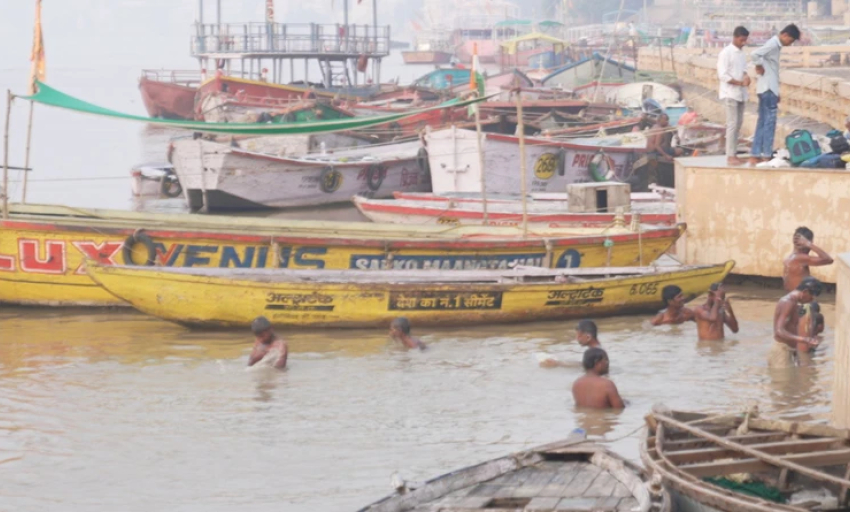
(47, 95)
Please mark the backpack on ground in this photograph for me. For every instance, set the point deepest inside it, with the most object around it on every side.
(839, 145)
(801, 146)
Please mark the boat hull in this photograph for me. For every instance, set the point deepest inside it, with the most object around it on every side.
(550, 214)
(426, 57)
(231, 299)
(219, 177)
(43, 249)
(167, 100)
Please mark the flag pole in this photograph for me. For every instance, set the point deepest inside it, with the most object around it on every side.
(27, 155)
(474, 85)
(520, 128)
(6, 155)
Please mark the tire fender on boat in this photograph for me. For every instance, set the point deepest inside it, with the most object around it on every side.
(595, 167)
(170, 186)
(139, 237)
(330, 180)
(375, 175)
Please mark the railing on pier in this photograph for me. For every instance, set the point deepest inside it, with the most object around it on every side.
(290, 40)
(182, 77)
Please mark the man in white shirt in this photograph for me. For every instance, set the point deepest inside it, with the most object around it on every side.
(732, 72)
(766, 60)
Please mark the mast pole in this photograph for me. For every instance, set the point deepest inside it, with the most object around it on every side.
(27, 155)
(9, 97)
(520, 127)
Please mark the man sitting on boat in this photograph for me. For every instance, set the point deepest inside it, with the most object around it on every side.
(269, 349)
(676, 312)
(593, 390)
(786, 323)
(714, 314)
(400, 332)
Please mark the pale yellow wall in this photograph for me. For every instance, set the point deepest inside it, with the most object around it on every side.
(841, 380)
(749, 215)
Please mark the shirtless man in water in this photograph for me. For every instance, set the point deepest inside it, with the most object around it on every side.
(676, 312)
(268, 347)
(400, 332)
(592, 389)
(786, 324)
(798, 262)
(711, 316)
(586, 334)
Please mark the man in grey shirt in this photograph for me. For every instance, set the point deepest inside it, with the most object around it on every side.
(766, 60)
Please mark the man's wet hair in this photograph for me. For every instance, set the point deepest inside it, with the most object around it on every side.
(805, 232)
(402, 324)
(792, 31)
(587, 326)
(811, 285)
(669, 293)
(740, 31)
(592, 356)
(260, 324)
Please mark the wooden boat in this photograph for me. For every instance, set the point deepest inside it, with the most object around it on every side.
(220, 177)
(551, 164)
(745, 463)
(569, 475)
(218, 108)
(503, 213)
(657, 195)
(169, 94)
(43, 248)
(229, 297)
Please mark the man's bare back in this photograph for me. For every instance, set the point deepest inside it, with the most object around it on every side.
(596, 392)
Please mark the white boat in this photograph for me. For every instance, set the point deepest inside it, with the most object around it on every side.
(504, 213)
(658, 194)
(551, 164)
(222, 177)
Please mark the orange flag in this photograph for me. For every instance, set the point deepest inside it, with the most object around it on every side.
(37, 73)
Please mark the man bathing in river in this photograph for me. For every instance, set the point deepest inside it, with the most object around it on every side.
(592, 389)
(798, 262)
(676, 312)
(400, 332)
(268, 347)
(711, 316)
(586, 332)
(786, 325)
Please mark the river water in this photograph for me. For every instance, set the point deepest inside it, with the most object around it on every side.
(112, 410)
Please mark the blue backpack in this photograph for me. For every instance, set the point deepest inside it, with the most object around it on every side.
(801, 146)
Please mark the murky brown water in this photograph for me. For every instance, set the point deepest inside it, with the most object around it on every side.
(112, 410)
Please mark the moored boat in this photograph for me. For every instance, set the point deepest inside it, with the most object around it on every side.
(741, 462)
(504, 213)
(572, 474)
(209, 297)
(169, 94)
(43, 248)
(222, 177)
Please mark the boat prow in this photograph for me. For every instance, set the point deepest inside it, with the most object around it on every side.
(573, 474)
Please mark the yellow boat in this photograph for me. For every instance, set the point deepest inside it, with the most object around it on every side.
(43, 248)
(352, 298)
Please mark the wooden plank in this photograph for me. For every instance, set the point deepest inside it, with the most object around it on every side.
(609, 503)
(485, 489)
(556, 486)
(581, 482)
(602, 486)
(782, 447)
(627, 505)
(541, 504)
(535, 483)
(621, 491)
(577, 504)
(747, 439)
(785, 462)
(796, 462)
(514, 478)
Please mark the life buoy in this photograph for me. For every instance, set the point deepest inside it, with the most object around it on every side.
(375, 175)
(330, 180)
(422, 162)
(362, 62)
(170, 186)
(595, 167)
(139, 237)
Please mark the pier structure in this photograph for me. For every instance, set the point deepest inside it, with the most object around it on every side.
(341, 50)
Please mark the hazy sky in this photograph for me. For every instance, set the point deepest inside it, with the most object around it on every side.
(153, 33)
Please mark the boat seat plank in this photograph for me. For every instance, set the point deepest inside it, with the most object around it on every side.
(602, 486)
(542, 504)
(534, 484)
(561, 481)
(781, 447)
(581, 482)
(813, 459)
(747, 439)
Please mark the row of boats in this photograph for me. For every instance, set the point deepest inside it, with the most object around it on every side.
(694, 462)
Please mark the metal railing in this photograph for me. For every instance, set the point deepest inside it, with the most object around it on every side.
(280, 39)
(182, 76)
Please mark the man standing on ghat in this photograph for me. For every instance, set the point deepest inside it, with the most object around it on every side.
(766, 60)
(732, 72)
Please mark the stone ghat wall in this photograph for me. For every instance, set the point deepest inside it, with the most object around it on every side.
(813, 91)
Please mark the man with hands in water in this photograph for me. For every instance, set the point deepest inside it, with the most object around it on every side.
(676, 312)
(268, 347)
(786, 322)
